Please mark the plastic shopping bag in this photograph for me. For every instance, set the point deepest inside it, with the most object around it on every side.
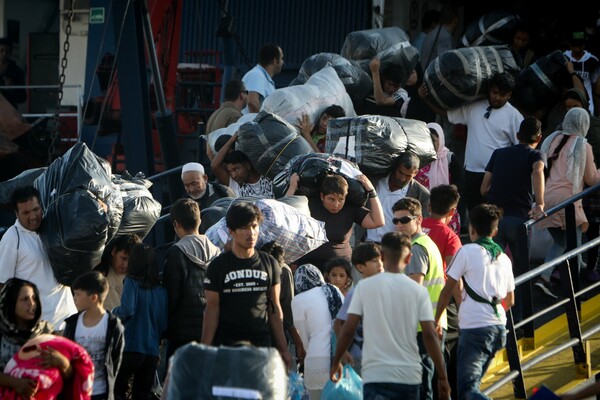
(296, 390)
(348, 388)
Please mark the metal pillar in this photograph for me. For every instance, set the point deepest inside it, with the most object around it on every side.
(136, 122)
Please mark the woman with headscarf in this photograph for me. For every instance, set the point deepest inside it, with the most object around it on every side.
(591, 203)
(314, 307)
(20, 320)
(444, 170)
(570, 163)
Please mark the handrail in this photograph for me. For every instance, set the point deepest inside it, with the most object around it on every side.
(66, 86)
(571, 301)
(564, 203)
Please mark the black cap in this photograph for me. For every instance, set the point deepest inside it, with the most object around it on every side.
(577, 38)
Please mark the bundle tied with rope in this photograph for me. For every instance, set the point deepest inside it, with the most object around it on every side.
(462, 76)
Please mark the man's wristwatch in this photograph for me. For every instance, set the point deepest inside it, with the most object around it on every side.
(372, 194)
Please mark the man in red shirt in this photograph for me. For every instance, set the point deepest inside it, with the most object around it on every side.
(443, 201)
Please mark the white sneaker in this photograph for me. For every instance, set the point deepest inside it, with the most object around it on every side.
(540, 284)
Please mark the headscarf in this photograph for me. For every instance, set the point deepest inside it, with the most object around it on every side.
(438, 170)
(308, 276)
(8, 325)
(576, 123)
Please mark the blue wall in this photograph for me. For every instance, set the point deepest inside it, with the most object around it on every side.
(301, 27)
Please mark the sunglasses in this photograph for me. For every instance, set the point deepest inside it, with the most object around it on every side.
(404, 220)
(488, 112)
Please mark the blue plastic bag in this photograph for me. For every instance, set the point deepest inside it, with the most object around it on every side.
(348, 388)
(296, 389)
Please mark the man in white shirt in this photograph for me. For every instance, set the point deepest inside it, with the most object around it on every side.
(259, 80)
(391, 305)
(492, 123)
(23, 256)
(397, 185)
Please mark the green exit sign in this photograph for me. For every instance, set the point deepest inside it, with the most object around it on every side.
(96, 15)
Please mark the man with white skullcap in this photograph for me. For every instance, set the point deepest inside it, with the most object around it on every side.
(197, 187)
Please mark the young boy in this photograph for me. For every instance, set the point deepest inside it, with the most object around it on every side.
(97, 330)
(442, 203)
(391, 305)
(339, 217)
(488, 281)
(366, 258)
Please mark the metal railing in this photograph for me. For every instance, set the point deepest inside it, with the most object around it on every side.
(50, 88)
(570, 288)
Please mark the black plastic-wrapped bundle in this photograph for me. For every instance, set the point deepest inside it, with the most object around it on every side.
(228, 372)
(82, 211)
(213, 214)
(25, 178)
(496, 27)
(270, 142)
(540, 84)
(374, 141)
(365, 44)
(140, 210)
(312, 168)
(398, 60)
(461, 76)
(357, 82)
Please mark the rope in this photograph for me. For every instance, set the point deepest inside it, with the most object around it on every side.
(279, 155)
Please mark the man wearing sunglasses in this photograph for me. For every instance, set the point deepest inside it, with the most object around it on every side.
(398, 184)
(425, 268)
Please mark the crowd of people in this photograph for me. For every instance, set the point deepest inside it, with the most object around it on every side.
(394, 292)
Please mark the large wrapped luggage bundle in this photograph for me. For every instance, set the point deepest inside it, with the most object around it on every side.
(357, 82)
(365, 44)
(213, 214)
(374, 141)
(227, 372)
(290, 227)
(312, 168)
(140, 210)
(82, 211)
(270, 142)
(398, 61)
(540, 84)
(496, 27)
(218, 137)
(25, 178)
(461, 76)
(320, 91)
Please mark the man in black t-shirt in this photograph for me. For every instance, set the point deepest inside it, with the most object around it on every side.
(242, 289)
(507, 183)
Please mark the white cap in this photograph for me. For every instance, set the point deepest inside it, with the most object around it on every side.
(193, 166)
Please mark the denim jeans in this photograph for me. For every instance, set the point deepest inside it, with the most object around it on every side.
(559, 245)
(513, 233)
(476, 350)
(428, 375)
(390, 391)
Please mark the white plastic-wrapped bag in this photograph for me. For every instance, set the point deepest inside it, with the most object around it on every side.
(320, 91)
